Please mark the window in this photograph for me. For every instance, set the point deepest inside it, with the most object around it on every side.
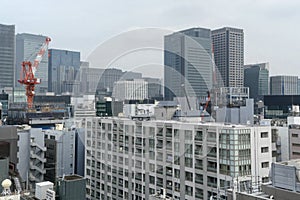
(211, 136)
(189, 176)
(177, 173)
(199, 136)
(264, 134)
(265, 164)
(199, 178)
(265, 179)
(294, 135)
(188, 162)
(295, 145)
(264, 149)
(188, 190)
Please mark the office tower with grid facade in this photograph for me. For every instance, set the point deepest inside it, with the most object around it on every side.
(284, 85)
(187, 63)
(228, 44)
(7, 55)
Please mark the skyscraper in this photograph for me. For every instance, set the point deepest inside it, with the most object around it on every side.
(7, 55)
(188, 64)
(63, 71)
(284, 85)
(27, 46)
(228, 44)
(257, 79)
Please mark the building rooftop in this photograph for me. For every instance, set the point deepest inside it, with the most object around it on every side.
(45, 183)
(72, 177)
(295, 163)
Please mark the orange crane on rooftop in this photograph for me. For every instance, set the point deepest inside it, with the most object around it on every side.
(28, 70)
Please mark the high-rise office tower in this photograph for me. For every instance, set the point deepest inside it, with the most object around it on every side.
(188, 63)
(27, 47)
(228, 44)
(63, 71)
(284, 85)
(7, 55)
(257, 79)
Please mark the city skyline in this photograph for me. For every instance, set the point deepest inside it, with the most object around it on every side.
(93, 16)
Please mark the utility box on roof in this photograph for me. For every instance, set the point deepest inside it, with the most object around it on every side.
(41, 189)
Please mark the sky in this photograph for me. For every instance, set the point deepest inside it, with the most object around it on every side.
(270, 26)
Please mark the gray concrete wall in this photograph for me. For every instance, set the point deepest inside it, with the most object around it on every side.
(9, 134)
(23, 154)
(280, 194)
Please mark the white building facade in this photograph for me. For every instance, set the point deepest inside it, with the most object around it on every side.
(130, 89)
(128, 159)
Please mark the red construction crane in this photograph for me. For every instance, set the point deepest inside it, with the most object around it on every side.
(28, 70)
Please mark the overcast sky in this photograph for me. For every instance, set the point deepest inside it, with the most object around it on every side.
(271, 27)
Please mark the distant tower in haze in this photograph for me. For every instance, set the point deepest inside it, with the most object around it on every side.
(228, 44)
(284, 85)
(7, 55)
(256, 77)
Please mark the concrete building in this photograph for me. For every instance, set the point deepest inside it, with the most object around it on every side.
(71, 187)
(294, 141)
(135, 109)
(27, 47)
(5, 102)
(60, 152)
(4, 166)
(63, 71)
(31, 165)
(280, 106)
(233, 105)
(284, 85)
(285, 181)
(9, 145)
(256, 77)
(7, 55)
(228, 44)
(188, 63)
(130, 89)
(84, 106)
(127, 159)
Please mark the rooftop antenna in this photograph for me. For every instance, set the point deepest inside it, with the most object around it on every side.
(6, 187)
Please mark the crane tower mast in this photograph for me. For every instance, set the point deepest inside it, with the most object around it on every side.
(28, 70)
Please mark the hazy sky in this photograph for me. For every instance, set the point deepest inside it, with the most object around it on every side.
(271, 27)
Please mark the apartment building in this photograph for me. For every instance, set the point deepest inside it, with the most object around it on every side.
(127, 159)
